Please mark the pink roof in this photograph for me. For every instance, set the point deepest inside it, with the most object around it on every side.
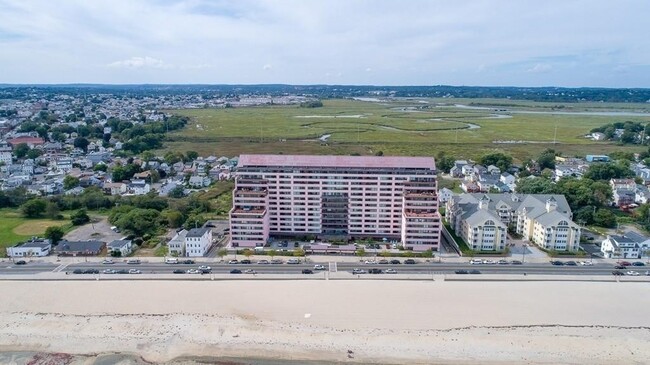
(32, 140)
(337, 161)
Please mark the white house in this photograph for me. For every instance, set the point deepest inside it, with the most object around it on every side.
(630, 245)
(114, 188)
(198, 242)
(177, 244)
(123, 246)
(139, 187)
(34, 248)
(477, 222)
(444, 194)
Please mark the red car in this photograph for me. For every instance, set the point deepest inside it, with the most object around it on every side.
(625, 263)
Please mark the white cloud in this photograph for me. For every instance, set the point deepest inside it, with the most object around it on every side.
(540, 68)
(140, 62)
(267, 67)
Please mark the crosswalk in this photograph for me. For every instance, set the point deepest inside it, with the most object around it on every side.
(60, 268)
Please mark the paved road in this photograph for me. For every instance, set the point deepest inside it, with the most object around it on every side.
(8, 268)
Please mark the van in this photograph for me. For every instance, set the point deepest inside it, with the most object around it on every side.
(259, 249)
(171, 260)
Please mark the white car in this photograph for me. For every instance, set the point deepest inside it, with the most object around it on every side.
(204, 267)
(263, 262)
(109, 271)
(108, 262)
(475, 261)
(632, 273)
(390, 271)
(250, 271)
(489, 262)
(370, 262)
(193, 271)
(586, 263)
(135, 271)
(359, 271)
(319, 267)
(293, 261)
(232, 262)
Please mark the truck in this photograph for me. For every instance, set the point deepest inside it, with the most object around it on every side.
(171, 260)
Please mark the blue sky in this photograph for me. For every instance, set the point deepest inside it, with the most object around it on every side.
(569, 43)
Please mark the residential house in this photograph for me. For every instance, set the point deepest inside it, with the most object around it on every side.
(623, 191)
(117, 188)
(30, 141)
(598, 136)
(36, 247)
(508, 179)
(444, 195)
(177, 244)
(124, 247)
(139, 187)
(493, 170)
(199, 181)
(198, 242)
(470, 186)
(79, 248)
(641, 195)
(630, 245)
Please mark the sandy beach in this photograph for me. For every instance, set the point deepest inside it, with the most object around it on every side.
(402, 322)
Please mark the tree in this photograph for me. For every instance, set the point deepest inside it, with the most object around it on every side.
(272, 253)
(82, 143)
(248, 253)
(21, 150)
(604, 218)
(535, 185)
(52, 211)
(546, 160)
(500, 160)
(70, 182)
(585, 215)
(174, 218)
(222, 252)
(606, 171)
(428, 253)
(360, 252)
(79, 217)
(33, 153)
(177, 192)
(299, 252)
(385, 253)
(54, 234)
(191, 155)
(100, 167)
(444, 162)
(34, 208)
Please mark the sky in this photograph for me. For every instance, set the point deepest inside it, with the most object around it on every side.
(569, 43)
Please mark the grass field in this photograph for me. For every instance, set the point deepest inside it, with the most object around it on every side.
(403, 127)
(14, 228)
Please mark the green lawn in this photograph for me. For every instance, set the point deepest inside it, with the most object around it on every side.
(14, 228)
(400, 128)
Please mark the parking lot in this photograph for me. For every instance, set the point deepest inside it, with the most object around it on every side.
(99, 229)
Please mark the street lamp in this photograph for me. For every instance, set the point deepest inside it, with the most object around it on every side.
(523, 253)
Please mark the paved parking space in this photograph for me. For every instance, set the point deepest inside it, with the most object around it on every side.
(99, 230)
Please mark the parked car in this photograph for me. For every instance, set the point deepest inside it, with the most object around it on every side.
(502, 262)
(109, 271)
(638, 263)
(475, 272)
(571, 263)
(359, 271)
(91, 271)
(263, 262)
(246, 262)
(475, 262)
(205, 268)
(395, 262)
(78, 271)
(370, 262)
(375, 271)
(235, 271)
(516, 262)
(319, 267)
(383, 262)
(179, 271)
(189, 262)
(619, 267)
(617, 273)
(461, 272)
(108, 262)
(586, 263)
(632, 273)
(233, 262)
(135, 271)
(557, 263)
(293, 261)
(390, 271)
(409, 261)
(21, 262)
(133, 262)
(489, 262)
(625, 263)
(276, 261)
(250, 271)
(307, 271)
(122, 271)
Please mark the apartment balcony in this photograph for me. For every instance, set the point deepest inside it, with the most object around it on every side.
(240, 211)
(421, 194)
(249, 193)
(420, 213)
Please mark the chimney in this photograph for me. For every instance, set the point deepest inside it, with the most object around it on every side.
(551, 204)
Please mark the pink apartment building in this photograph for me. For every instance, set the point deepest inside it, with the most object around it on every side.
(392, 198)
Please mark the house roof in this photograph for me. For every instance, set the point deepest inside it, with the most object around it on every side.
(118, 244)
(79, 246)
(337, 161)
(197, 232)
